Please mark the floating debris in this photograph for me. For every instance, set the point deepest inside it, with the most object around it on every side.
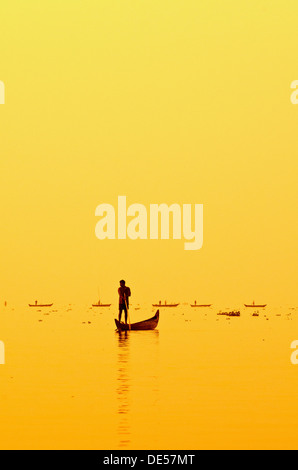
(234, 313)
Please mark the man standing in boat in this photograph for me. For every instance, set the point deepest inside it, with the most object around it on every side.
(124, 294)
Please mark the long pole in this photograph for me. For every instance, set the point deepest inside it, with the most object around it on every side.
(126, 305)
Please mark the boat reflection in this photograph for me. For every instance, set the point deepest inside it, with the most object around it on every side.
(126, 339)
(123, 388)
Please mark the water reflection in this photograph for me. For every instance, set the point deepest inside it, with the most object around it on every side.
(127, 341)
(123, 388)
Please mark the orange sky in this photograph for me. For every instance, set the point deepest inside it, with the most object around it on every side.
(164, 102)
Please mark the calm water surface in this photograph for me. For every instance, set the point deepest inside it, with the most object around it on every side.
(199, 381)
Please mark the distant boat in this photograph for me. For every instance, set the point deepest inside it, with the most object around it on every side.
(101, 305)
(255, 305)
(150, 324)
(40, 305)
(200, 305)
(164, 305)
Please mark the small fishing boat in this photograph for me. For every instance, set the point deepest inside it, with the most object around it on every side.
(40, 305)
(200, 305)
(164, 305)
(99, 304)
(253, 305)
(150, 324)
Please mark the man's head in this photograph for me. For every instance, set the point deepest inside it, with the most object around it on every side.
(122, 283)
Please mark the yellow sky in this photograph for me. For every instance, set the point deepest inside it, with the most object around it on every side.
(162, 101)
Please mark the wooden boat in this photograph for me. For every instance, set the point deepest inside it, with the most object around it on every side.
(164, 305)
(150, 324)
(200, 305)
(253, 305)
(99, 304)
(40, 305)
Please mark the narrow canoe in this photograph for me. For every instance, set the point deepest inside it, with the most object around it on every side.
(165, 305)
(255, 305)
(101, 305)
(150, 324)
(42, 305)
(197, 305)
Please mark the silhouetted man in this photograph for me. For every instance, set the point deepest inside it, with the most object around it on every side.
(124, 294)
